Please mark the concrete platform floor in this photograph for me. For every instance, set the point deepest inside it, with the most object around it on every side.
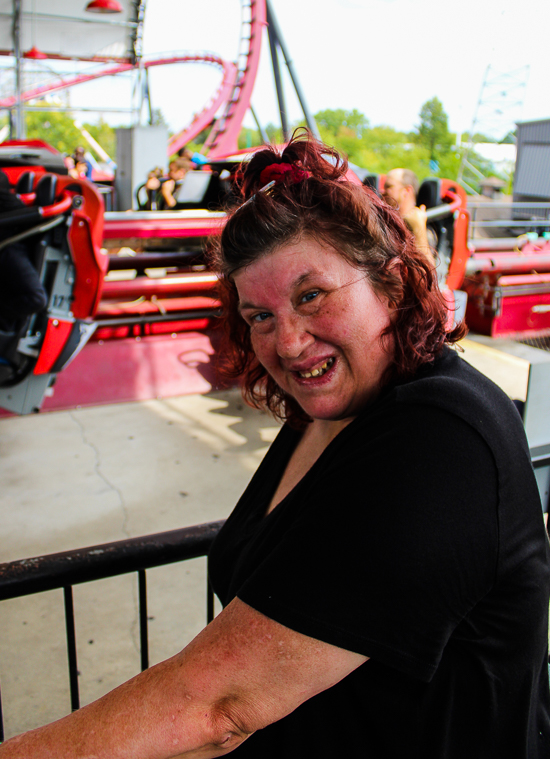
(76, 478)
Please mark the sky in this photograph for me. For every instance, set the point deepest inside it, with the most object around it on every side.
(384, 58)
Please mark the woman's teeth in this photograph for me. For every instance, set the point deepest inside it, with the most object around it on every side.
(318, 372)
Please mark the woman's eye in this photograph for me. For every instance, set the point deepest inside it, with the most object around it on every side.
(308, 297)
(258, 318)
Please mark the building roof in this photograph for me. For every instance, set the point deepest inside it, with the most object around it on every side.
(64, 29)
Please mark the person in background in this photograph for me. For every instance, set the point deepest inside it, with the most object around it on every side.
(70, 164)
(154, 178)
(196, 158)
(21, 290)
(152, 186)
(385, 577)
(177, 170)
(82, 164)
(400, 191)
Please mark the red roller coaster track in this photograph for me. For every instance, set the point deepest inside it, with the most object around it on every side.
(233, 95)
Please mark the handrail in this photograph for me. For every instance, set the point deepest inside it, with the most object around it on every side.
(52, 571)
(63, 570)
(59, 207)
(475, 203)
(522, 223)
(507, 215)
(445, 209)
(44, 227)
(508, 264)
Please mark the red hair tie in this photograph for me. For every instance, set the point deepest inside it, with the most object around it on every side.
(276, 173)
(282, 172)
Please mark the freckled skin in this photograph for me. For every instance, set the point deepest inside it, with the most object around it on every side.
(306, 304)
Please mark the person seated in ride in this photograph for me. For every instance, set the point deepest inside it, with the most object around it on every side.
(197, 159)
(177, 170)
(70, 165)
(385, 577)
(400, 191)
(8, 201)
(21, 290)
(82, 165)
(154, 179)
(152, 187)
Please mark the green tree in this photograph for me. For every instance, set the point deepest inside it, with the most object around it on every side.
(249, 138)
(158, 118)
(477, 137)
(332, 120)
(378, 148)
(509, 138)
(433, 130)
(274, 133)
(54, 127)
(58, 129)
(105, 135)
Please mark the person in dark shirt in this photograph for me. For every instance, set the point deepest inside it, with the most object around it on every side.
(386, 575)
(83, 166)
(8, 200)
(21, 290)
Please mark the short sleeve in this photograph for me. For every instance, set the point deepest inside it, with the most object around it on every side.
(388, 542)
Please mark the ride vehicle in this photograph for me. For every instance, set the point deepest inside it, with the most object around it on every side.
(133, 286)
(131, 291)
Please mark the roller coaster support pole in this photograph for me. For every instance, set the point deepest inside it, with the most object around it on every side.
(263, 135)
(274, 28)
(148, 97)
(278, 81)
(18, 111)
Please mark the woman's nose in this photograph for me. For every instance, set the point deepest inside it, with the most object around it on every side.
(292, 337)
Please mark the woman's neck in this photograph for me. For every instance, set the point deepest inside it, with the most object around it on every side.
(315, 438)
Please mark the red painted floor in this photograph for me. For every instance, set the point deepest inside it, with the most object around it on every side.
(115, 371)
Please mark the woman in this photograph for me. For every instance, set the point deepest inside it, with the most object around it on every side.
(385, 577)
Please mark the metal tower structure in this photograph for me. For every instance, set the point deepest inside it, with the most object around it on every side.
(497, 111)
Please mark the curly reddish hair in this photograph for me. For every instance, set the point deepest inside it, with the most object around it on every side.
(318, 202)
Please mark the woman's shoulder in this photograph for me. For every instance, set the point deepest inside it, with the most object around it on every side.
(451, 386)
(451, 383)
(442, 397)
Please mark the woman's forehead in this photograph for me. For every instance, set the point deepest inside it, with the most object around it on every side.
(292, 266)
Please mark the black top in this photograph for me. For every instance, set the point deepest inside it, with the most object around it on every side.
(417, 540)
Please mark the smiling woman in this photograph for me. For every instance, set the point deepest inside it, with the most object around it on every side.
(310, 332)
(385, 576)
(383, 519)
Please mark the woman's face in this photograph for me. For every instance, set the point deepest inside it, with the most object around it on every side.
(316, 324)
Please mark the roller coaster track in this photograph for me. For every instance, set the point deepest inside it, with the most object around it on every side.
(200, 122)
(224, 134)
(234, 93)
(206, 116)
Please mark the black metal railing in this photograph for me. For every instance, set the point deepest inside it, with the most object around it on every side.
(63, 570)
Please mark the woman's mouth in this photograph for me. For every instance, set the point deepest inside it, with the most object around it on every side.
(319, 371)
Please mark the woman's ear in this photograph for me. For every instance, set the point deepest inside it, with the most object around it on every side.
(395, 283)
(395, 267)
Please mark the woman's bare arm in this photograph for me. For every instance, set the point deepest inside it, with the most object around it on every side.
(241, 673)
(167, 188)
